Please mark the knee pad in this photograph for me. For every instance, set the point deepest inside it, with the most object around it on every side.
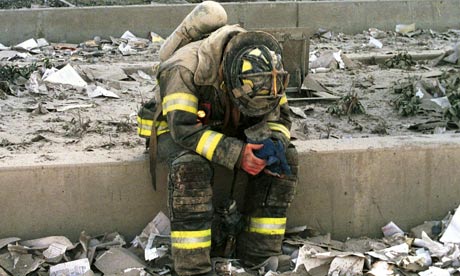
(190, 179)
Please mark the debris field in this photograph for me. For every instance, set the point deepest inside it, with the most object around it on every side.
(430, 249)
(61, 97)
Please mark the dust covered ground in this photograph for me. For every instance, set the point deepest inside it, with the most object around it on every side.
(44, 118)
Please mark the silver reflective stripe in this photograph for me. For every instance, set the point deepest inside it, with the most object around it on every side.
(267, 226)
(190, 240)
(209, 142)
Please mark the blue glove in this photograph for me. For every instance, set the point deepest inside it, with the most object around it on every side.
(274, 154)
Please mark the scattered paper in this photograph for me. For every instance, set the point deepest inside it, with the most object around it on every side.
(73, 268)
(67, 75)
(117, 260)
(391, 229)
(126, 49)
(375, 43)
(72, 106)
(404, 29)
(452, 233)
(43, 243)
(3, 47)
(41, 42)
(99, 91)
(434, 271)
(444, 103)
(6, 241)
(349, 265)
(381, 268)
(151, 252)
(128, 36)
(55, 252)
(27, 45)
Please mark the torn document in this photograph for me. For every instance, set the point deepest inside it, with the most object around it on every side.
(74, 268)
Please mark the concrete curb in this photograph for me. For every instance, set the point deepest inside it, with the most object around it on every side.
(346, 187)
(79, 24)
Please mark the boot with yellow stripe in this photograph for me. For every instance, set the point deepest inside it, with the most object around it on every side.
(190, 204)
(266, 203)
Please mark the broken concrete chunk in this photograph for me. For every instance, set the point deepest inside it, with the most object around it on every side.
(26, 264)
(431, 228)
(117, 260)
(74, 268)
(104, 72)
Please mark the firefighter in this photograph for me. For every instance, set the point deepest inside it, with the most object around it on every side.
(223, 102)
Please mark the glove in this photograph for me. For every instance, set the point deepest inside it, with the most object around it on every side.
(249, 162)
(274, 154)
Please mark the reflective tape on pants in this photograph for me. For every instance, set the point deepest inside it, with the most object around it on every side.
(191, 239)
(268, 226)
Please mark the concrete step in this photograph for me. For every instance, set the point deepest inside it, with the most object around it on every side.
(348, 187)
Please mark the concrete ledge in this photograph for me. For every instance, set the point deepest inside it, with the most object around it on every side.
(347, 187)
(80, 24)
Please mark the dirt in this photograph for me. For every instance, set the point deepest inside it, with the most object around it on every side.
(36, 123)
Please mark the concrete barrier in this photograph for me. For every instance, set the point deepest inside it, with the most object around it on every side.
(347, 187)
(80, 24)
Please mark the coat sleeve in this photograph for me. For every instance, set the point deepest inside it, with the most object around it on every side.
(279, 121)
(180, 106)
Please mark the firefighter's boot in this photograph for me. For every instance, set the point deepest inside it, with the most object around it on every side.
(190, 205)
(266, 204)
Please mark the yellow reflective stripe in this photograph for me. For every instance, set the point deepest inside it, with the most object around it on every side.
(180, 101)
(246, 66)
(162, 127)
(191, 234)
(281, 128)
(144, 127)
(208, 143)
(191, 239)
(144, 132)
(142, 121)
(256, 52)
(268, 226)
(283, 99)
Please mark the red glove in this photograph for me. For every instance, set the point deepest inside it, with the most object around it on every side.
(249, 162)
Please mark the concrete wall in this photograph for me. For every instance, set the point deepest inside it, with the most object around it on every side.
(347, 187)
(79, 24)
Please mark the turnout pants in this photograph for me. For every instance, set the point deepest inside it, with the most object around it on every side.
(191, 211)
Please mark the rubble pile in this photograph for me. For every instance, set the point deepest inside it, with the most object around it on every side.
(430, 249)
(62, 92)
(58, 97)
(400, 81)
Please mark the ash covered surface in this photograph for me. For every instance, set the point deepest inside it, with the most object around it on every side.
(410, 85)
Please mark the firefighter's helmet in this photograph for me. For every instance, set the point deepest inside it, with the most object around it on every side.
(253, 73)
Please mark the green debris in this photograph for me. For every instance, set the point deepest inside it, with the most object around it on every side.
(12, 73)
(452, 84)
(347, 105)
(407, 102)
(401, 61)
